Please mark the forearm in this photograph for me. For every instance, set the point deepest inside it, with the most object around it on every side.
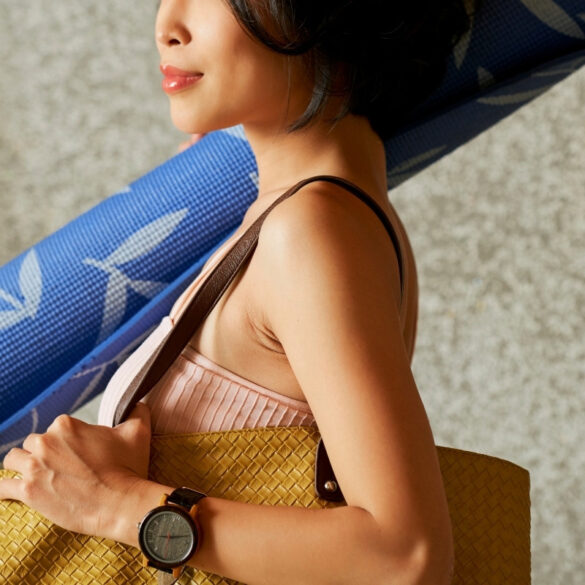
(261, 545)
(279, 544)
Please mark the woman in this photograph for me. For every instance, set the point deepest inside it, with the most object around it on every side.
(312, 326)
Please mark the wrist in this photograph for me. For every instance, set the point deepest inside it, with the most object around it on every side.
(141, 497)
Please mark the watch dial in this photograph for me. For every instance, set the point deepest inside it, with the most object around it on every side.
(168, 537)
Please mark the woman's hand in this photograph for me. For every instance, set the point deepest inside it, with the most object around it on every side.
(188, 143)
(77, 475)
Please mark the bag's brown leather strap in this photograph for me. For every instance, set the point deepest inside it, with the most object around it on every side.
(211, 290)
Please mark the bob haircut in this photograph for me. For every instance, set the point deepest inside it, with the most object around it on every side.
(382, 57)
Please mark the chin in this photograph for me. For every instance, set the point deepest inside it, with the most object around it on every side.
(186, 124)
(185, 120)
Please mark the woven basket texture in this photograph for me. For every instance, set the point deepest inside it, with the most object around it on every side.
(488, 499)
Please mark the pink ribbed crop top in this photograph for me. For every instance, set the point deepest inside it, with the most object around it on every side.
(196, 394)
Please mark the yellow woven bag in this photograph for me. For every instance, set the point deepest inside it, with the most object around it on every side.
(488, 498)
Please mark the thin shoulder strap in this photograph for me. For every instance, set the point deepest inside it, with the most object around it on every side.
(212, 288)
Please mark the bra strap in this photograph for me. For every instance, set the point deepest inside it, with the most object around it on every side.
(213, 287)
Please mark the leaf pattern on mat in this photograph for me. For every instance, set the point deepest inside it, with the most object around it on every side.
(461, 48)
(31, 287)
(554, 16)
(123, 191)
(98, 371)
(147, 238)
(415, 160)
(236, 131)
(564, 70)
(513, 98)
(138, 244)
(485, 78)
(525, 96)
(34, 427)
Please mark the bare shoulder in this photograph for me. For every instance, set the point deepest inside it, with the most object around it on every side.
(326, 233)
(324, 205)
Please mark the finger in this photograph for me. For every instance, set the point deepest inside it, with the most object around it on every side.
(140, 412)
(195, 138)
(138, 420)
(15, 460)
(64, 423)
(41, 445)
(31, 442)
(11, 489)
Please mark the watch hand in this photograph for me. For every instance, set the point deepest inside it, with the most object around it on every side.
(186, 535)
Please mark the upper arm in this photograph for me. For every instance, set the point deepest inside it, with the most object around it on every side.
(330, 295)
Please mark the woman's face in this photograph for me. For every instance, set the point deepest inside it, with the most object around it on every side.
(242, 80)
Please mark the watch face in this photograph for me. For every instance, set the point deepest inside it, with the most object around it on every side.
(168, 536)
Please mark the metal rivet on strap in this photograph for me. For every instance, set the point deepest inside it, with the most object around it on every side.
(330, 486)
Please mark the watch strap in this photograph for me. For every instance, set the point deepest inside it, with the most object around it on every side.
(185, 497)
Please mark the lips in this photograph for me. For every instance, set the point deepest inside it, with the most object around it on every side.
(170, 71)
(177, 79)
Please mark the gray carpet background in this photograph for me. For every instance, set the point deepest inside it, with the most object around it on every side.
(498, 229)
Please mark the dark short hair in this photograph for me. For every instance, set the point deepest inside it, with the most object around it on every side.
(383, 56)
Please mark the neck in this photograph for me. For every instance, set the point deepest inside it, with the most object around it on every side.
(351, 150)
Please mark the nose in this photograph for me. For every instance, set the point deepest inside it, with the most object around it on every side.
(170, 29)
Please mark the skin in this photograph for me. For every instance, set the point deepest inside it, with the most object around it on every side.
(319, 299)
(193, 139)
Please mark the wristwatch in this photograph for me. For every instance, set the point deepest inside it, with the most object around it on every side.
(169, 535)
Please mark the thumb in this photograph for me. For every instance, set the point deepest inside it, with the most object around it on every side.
(134, 434)
(195, 138)
(138, 420)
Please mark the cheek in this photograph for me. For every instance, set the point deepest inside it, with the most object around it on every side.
(256, 78)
